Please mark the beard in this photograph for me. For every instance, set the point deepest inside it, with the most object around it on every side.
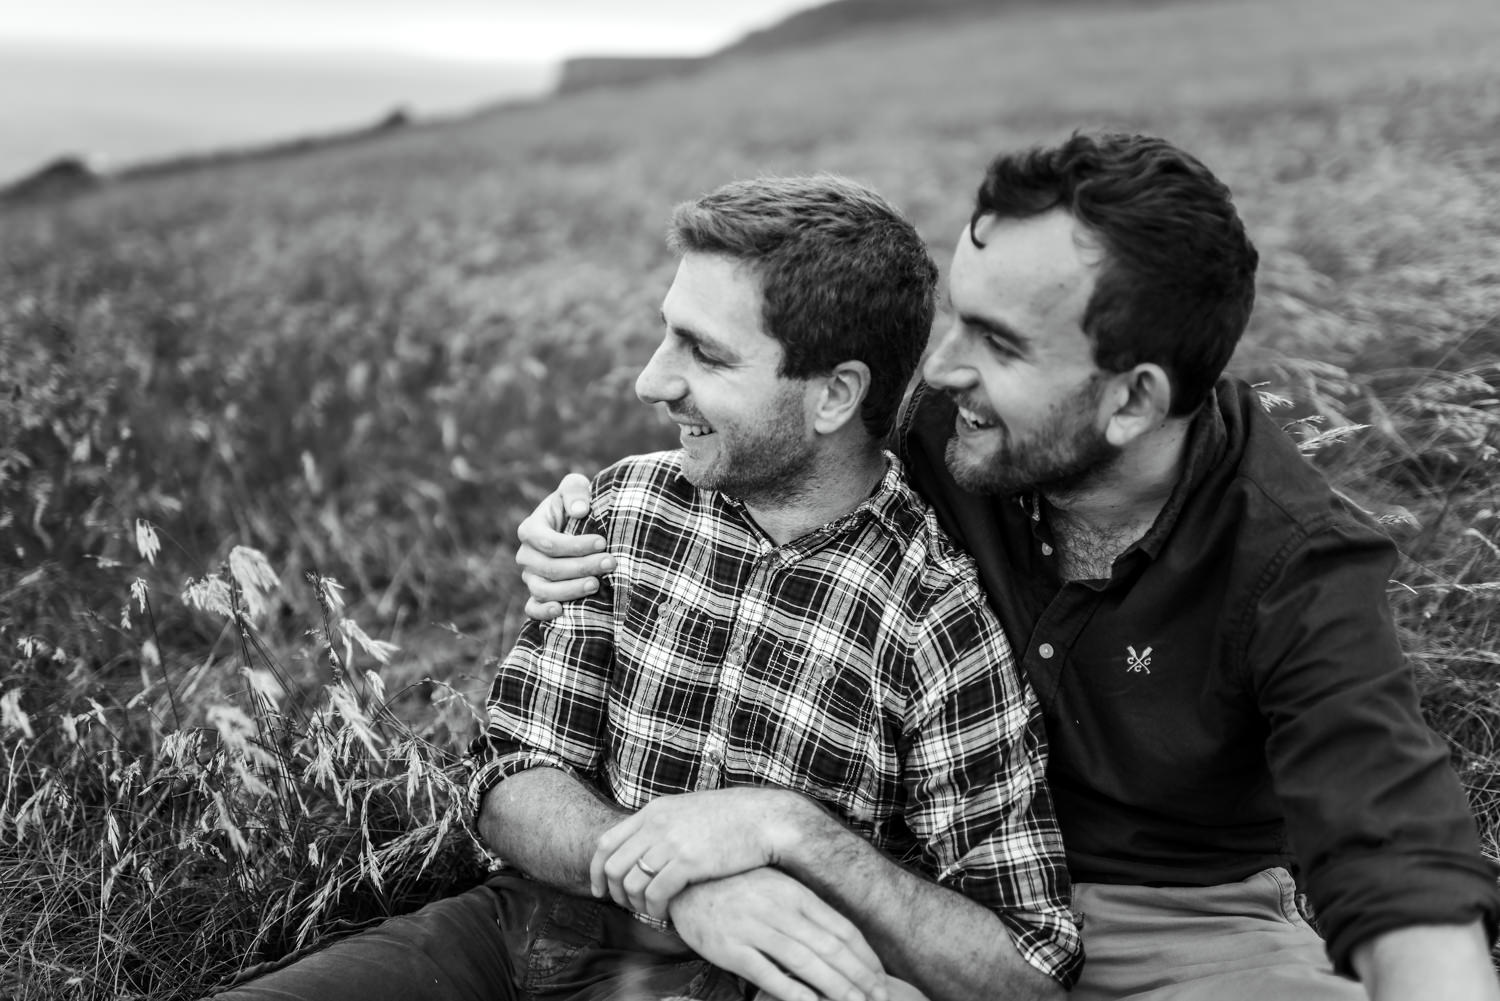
(763, 463)
(1059, 456)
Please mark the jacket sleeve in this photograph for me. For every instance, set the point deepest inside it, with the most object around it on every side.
(1376, 816)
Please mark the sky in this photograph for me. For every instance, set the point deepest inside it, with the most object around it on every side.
(469, 30)
(118, 82)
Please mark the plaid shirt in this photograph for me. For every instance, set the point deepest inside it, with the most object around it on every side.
(858, 665)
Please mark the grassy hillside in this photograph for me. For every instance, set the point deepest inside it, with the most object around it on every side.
(368, 363)
(828, 21)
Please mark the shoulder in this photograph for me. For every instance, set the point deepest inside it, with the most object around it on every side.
(637, 478)
(1282, 496)
(952, 639)
(939, 578)
(1288, 536)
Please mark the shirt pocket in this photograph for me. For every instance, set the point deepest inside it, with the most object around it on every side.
(815, 717)
(665, 680)
(669, 638)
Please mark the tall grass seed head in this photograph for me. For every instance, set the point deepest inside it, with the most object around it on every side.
(252, 572)
(146, 540)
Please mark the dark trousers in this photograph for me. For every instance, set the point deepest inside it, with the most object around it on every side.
(511, 939)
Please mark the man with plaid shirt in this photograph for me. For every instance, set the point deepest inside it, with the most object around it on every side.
(787, 721)
(790, 677)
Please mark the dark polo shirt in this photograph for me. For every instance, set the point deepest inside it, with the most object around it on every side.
(1234, 696)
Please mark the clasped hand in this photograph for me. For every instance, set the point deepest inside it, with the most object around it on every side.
(776, 933)
(674, 841)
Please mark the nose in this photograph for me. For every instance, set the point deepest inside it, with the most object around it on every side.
(658, 381)
(946, 366)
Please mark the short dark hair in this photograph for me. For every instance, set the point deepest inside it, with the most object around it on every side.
(843, 275)
(1178, 280)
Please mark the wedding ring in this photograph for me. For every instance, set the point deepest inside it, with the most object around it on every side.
(643, 867)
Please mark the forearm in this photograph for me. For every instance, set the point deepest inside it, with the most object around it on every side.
(547, 823)
(944, 943)
(1427, 961)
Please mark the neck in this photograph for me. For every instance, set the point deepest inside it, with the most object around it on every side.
(835, 486)
(1127, 494)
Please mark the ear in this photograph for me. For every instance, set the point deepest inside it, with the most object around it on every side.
(1136, 402)
(838, 396)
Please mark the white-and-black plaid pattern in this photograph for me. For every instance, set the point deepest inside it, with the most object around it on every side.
(858, 665)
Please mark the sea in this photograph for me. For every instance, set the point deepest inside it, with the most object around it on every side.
(116, 109)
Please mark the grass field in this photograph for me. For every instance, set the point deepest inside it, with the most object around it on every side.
(367, 364)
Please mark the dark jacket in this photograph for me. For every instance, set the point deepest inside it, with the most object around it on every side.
(1234, 697)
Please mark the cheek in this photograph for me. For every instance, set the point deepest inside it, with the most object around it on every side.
(1025, 396)
(1012, 394)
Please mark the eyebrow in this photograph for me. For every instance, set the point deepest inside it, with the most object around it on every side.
(693, 337)
(995, 328)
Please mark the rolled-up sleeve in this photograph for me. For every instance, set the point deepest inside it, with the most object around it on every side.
(1375, 814)
(975, 779)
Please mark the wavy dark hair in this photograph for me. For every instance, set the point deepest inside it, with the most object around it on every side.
(843, 276)
(1178, 278)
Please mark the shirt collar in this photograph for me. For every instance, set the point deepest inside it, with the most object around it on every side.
(891, 504)
(1207, 437)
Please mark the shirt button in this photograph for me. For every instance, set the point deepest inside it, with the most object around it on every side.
(1046, 549)
(1046, 651)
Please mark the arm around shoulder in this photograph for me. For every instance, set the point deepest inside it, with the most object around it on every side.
(557, 567)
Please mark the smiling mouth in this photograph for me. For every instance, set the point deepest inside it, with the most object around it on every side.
(968, 420)
(696, 430)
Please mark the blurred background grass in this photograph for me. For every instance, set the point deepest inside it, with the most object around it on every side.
(369, 362)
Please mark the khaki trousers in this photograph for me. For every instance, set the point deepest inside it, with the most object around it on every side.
(1230, 942)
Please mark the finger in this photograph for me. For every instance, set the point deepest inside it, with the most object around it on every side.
(616, 868)
(564, 568)
(671, 880)
(838, 976)
(542, 611)
(637, 884)
(598, 878)
(838, 944)
(633, 886)
(542, 589)
(549, 518)
(901, 990)
(542, 530)
(605, 848)
(574, 491)
(849, 950)
(771, 979)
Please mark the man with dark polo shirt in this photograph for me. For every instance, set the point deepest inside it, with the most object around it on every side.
(1203, 618)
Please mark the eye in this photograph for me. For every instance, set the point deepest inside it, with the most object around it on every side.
(1001, 346)
(707, 356)
(694, 346)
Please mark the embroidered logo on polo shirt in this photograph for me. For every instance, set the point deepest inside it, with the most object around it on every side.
(1139, 663)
